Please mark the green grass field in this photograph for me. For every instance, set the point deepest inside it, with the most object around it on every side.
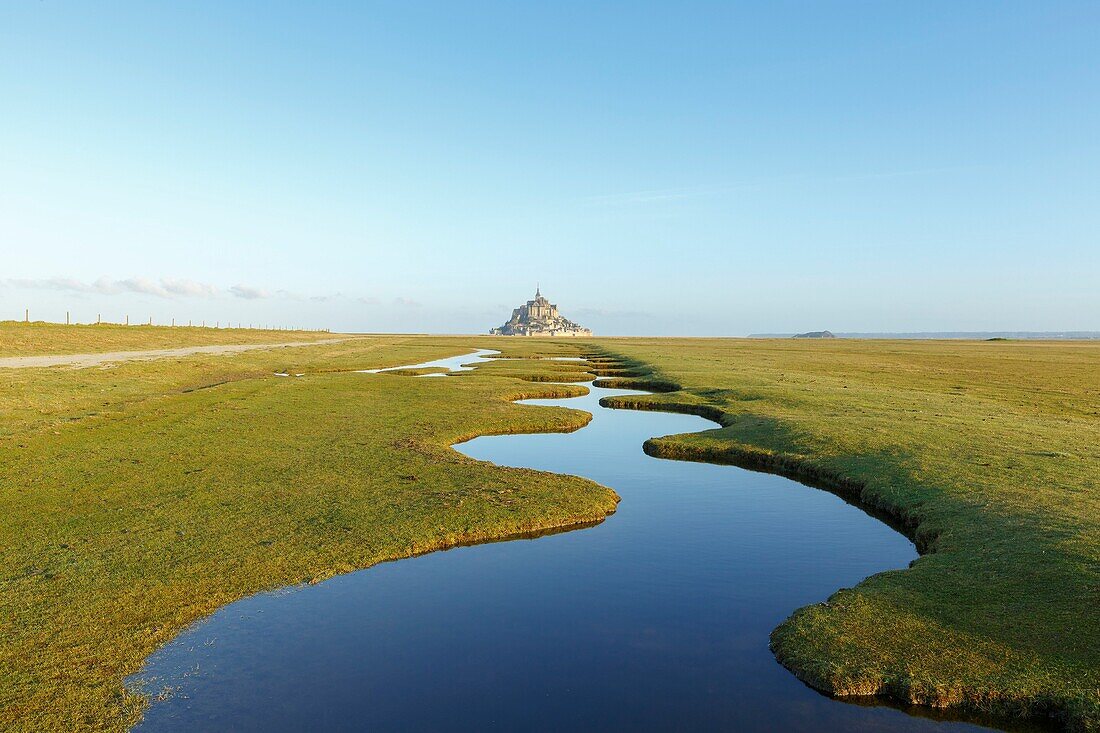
(987, 452)
(39, 338)
(138, 498)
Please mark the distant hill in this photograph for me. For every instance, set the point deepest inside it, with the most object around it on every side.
(975, 335)
(815, 335)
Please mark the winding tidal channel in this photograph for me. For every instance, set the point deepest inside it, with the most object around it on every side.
(656, 619)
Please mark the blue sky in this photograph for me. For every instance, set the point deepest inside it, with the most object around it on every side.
(675, 168)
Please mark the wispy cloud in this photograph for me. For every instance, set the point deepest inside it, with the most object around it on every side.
(188, 288)
(163, 288)
(249, 292)
(326, 298)
(178, 288)
(52, 283)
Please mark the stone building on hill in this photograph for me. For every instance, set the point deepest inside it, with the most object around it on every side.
(539, 317)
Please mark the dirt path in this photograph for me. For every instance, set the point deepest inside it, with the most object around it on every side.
(89, 360)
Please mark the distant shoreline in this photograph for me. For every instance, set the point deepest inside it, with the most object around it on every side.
(1033, 335)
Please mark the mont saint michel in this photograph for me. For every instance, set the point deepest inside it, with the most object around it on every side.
(539, 317)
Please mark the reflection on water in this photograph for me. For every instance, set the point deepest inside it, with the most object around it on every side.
(656, 619)
(463, 363)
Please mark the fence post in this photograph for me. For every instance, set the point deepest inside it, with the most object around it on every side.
(26, 315)
(127, 319)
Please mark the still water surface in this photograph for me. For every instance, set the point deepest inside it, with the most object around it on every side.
(656, 619)
(462, 363)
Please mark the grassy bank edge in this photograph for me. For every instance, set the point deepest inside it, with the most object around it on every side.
(614, 370)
